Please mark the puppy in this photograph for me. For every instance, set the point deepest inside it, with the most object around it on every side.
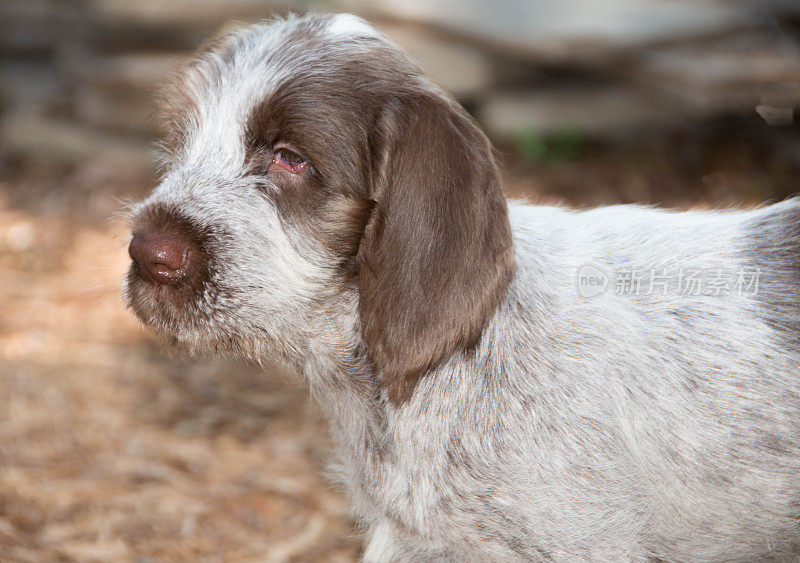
(502, 382)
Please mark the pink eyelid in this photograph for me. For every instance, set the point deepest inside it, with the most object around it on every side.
(288, 166)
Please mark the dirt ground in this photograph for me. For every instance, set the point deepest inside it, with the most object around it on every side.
(111, 450)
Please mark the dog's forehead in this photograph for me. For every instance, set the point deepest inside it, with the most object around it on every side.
(247, 66)
(265, 54)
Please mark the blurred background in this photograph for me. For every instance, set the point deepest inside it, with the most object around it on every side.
(110, 450)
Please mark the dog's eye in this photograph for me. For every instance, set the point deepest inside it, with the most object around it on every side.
(289, 160)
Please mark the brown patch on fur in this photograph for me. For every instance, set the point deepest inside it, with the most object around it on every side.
(401, 186)
(322, 199)
(326, 117)
(436, 256)
(343, 224)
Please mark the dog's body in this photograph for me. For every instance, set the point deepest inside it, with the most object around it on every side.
(484, 406)
(610, 428)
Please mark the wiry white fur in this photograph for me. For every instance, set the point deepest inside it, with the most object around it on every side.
(348, 25)
(606, 429)
(578, 436)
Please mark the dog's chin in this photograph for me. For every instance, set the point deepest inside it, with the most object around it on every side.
(172, 312)
(185, 327)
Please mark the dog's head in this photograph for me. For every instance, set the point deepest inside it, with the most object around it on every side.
(308, 160)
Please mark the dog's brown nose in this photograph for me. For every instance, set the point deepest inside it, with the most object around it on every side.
(162, 258)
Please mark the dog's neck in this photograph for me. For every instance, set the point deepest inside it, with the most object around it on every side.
(343, 382)
(341, 377)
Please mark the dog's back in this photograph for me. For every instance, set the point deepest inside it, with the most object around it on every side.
(637, 395)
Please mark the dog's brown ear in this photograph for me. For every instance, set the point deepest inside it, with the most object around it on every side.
(436, 255)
